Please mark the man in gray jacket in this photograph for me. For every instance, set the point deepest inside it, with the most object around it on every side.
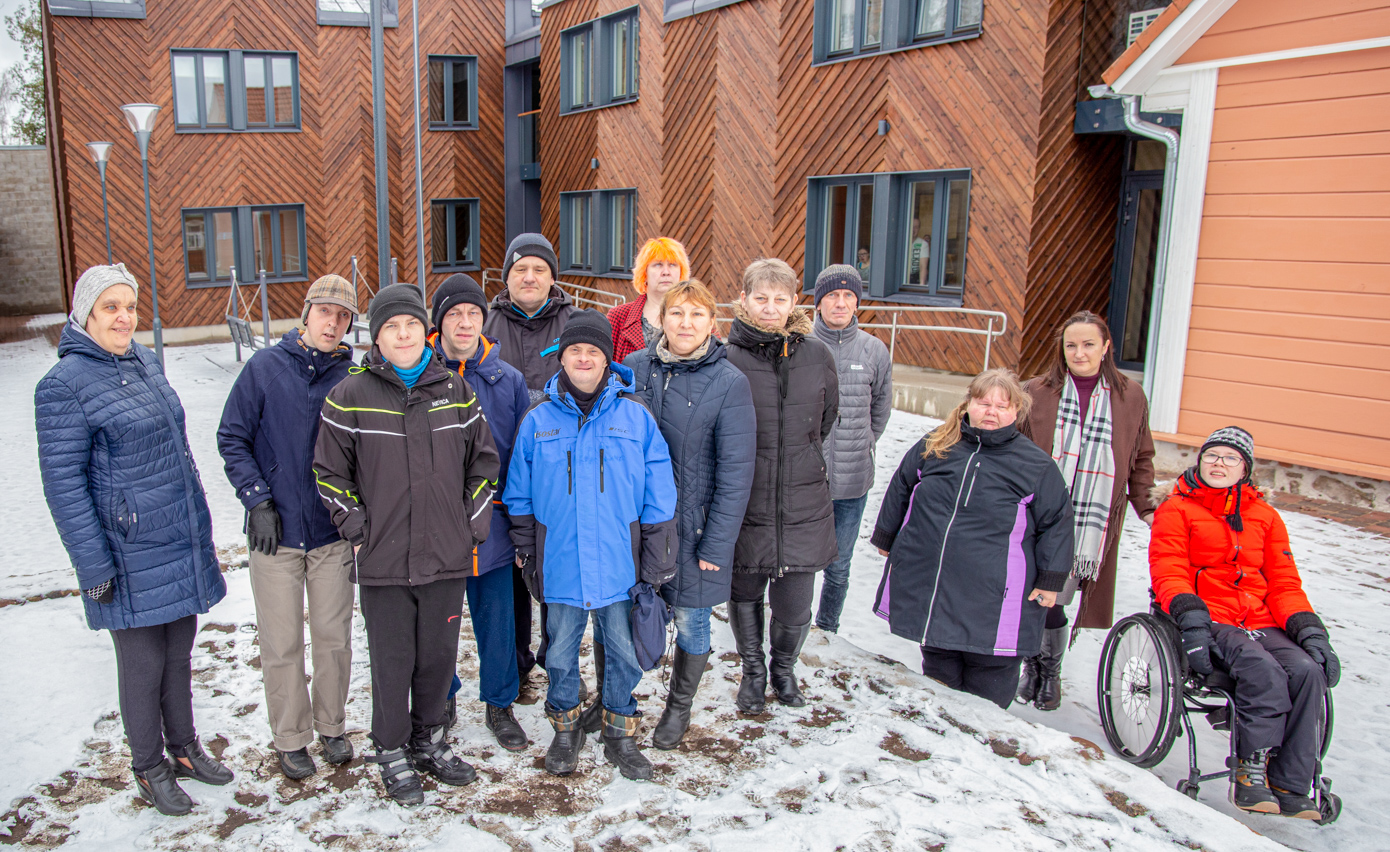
(866, 397)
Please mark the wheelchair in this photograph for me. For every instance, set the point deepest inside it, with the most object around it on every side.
(1146, 696)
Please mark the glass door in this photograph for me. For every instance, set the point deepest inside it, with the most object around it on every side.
(1136, 249)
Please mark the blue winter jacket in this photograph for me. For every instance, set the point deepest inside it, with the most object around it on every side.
(269, 425)
(584, 491)
(502, 391)
(705, 411)
(122, 485)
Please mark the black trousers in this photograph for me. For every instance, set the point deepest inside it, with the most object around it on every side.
(413, 643)
(789, 596)
(154, 676)
(1279, 701)
(990, 677)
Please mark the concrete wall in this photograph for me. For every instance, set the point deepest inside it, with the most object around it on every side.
(30, 282)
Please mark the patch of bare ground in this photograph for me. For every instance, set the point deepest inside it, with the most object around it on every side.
(1009, 749)
(895, 745)
(1122, 803)
(1088, 749)
(822, 717)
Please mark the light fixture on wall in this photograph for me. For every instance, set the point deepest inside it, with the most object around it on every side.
(101, 152)
(883, 127)
(141, 118)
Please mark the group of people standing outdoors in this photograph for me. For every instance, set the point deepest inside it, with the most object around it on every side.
(623, 469)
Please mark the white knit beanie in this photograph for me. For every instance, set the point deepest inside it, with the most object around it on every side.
(92, 284)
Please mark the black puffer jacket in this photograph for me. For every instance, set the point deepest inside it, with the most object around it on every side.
(790, 522)
(969, 537)
(705, 411)
(529, 343)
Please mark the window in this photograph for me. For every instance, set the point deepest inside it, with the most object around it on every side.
(845, 29)
(453, 93)
(98, 8)
(354, 13)
(596, 232)
(234, 90)
(905, 232)
(249, 238)
(1138, 22)
(598, 62)
(454, 234)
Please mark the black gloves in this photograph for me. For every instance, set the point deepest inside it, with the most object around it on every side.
(1308, 631)
(1195, 623)
(263, 529)
(103, 593)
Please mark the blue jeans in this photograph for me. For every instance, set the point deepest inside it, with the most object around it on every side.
(565, 626)
(692, 628)
(835, 584)
(490, 610)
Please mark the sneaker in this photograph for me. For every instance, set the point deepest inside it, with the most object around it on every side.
(338, 750)
(1296, 805)
(1249, 788)
(297, 764)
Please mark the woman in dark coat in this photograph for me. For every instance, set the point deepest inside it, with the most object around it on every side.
(977, 528)
(1094, 422)
(129, 506)
(789, 529)
(704, 408)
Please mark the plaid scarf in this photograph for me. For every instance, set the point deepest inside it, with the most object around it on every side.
(1084, 454)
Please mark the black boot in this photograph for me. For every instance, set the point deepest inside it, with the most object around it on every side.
(1054, 645)
(296, 765)
(1250, 786)
(562, 757)
(432, 754)
(1295, 805)
(786, 645)
(1028, 681)
(620, 746)
(592, 718)
(159, 787)
(337, 749)
(202, 766)
(746, 619)
(506, 728)
(686, 670)
(399, 776)
(451, 711)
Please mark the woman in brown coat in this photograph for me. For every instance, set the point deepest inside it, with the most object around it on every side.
(1095, 423)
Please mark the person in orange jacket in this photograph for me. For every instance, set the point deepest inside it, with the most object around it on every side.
(1221, 565)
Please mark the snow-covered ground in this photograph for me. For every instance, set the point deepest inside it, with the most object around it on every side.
(881, 758)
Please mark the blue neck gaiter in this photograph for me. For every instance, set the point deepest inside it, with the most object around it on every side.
(411, 376)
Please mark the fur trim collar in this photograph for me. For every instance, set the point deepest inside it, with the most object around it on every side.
(799, 322)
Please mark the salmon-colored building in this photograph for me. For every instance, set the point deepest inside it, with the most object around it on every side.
(1275, 311)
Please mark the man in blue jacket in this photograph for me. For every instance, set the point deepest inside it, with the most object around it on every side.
(592, 500)
(457, 314)
(266, 438)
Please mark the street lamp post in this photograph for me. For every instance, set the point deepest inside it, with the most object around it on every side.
(141, 117)
(101, 151)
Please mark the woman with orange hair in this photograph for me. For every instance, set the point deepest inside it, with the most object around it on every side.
(661, 264)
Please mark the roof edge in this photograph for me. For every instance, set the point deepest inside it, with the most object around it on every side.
(1145, 39)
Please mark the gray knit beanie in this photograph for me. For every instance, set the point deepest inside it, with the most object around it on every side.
(839, 276)
(92, 284)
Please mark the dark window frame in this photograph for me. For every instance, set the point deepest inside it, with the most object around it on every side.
(600, 35)
(331, 18)
(96, 9)
(599, 232)
(234, 63)
(271, 120)
(898, 31)
(451, 206)
(209, 246)
(243, 245)
(450, 121)
(276, 234)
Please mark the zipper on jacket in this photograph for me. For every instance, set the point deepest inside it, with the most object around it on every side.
(972, 484)
(569, 471)
(941, 560)
(600, 470)
(781, 457)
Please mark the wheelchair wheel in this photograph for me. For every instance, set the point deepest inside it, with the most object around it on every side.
(1139, 690)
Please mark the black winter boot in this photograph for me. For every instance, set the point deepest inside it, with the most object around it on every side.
(202, 766)
(337, 749)
(1250, 786)
(686, 670)
(506, 728)
(786, 645)
(1054, 645)
(563, 755)
(1295, 805)
(296, 765)
(746, 619)
(620, 746)
(1027, 681)
(432, 754)
(399, 777)
(159, 787)
(592, 717)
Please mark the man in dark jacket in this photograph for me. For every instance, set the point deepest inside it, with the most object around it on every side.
(457, 313)
(526, 320)
(865, 373)
(266, 438)
(406, 466)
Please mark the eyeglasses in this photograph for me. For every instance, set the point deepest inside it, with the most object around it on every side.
(1224, 461)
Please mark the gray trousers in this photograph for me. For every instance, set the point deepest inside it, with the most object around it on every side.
(279, 584)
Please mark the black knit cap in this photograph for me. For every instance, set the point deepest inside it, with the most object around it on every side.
(392, 302)
(1237, 439)
(839, 276)
(588, 326)
(457, 289)
(530, 245)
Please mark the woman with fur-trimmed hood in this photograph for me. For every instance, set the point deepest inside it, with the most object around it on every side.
(788, 532)
(661, 264)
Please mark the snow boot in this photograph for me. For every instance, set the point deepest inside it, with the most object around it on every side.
(399, 777)
(1250, 787)
(746, 619)
(432, 754)
(159, 787)
(506, 728)
(451, 711)
(1054, 645)
(296, 765)
(592, 717)
(1027, 681)
(620, 746)
(786, 645)
(1295, 805)
(562, 757)
(203, 768)
(686, 670)
(337, 749)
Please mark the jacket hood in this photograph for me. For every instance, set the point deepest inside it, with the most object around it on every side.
(556, 300)
(798, 323)
(76, 341)
(620, 380)
(486, 363)
(836, 335)
(1224, 503)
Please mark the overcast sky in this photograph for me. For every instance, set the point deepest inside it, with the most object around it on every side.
(9, 50)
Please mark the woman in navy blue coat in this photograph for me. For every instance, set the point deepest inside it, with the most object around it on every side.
(128, 503)
(704, 408)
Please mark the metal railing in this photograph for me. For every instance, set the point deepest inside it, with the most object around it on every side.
(577, 298)
(238, 316)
